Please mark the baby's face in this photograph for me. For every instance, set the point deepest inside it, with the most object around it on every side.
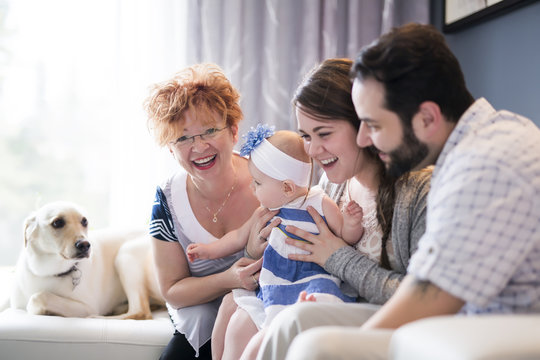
(268, 190)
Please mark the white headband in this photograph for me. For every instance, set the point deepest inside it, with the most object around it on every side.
(280, 166)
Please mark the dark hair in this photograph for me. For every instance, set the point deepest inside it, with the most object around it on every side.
(325, 94)
(414, 64)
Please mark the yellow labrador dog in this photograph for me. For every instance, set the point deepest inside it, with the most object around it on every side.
(63, 270)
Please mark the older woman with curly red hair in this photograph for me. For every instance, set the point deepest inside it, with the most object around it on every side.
(195, 115)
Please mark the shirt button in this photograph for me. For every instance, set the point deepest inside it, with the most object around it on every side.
(431, 250)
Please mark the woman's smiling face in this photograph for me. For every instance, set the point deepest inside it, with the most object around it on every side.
(203, 157)
(332, 144)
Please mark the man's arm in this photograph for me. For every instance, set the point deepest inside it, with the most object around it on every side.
(414, 300)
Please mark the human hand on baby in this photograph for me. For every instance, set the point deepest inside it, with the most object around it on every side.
(197, 251)
(246, 272)
(260, 231)
(319, 247)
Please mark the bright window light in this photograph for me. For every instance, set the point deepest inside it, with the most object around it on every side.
(73, 77)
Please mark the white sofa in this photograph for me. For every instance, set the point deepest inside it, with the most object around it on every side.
(494, 337)
(24, 336)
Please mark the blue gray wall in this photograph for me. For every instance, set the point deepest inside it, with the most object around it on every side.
(501, 58)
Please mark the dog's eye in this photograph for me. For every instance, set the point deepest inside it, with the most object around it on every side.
(84, 222)
(58, 223)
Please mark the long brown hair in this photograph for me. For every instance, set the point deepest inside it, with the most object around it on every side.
(325, 94)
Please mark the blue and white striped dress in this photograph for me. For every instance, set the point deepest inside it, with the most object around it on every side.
(173, 220)
(282, 279)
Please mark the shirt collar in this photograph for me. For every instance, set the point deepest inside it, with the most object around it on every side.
(466, 123)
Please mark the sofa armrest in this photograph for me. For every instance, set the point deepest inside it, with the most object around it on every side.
(468, 337)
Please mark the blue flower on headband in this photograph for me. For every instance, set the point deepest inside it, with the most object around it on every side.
(254, 137)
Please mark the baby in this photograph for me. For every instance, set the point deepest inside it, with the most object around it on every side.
(281, 171)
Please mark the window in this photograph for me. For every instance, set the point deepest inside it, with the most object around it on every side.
(73, 77)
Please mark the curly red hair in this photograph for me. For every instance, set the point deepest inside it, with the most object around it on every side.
(203, 87)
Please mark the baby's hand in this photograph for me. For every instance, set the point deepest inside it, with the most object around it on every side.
(353, 213)
(197, 251)
(304, 297)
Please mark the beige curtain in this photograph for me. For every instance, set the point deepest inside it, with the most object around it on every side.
(266, 46)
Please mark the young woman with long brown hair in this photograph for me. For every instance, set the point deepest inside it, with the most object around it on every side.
(394, 210)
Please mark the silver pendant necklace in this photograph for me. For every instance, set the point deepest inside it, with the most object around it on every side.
(214, 215)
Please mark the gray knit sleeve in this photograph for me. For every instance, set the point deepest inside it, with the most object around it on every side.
(409, 221)
(374, 283)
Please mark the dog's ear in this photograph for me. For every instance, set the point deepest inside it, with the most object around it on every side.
(29, 226)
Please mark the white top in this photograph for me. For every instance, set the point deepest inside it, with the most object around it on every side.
(173, 220)
(482, 240)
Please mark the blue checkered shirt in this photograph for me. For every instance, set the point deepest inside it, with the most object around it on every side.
(482, 240)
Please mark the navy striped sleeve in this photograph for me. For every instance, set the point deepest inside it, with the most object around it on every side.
(161, 225)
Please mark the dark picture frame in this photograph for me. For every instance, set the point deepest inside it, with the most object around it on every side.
(460, 14)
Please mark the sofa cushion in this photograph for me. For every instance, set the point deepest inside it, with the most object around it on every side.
(494, 337)
(24, 336)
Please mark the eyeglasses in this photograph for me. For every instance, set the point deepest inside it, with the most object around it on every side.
(207, 135)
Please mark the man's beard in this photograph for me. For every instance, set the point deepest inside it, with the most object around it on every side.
(408, 155)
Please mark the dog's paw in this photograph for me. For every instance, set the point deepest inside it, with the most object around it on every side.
(37, 304)
(138, 316)
(126, 316)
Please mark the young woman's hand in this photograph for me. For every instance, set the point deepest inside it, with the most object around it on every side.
(260, 231)
(320, 247)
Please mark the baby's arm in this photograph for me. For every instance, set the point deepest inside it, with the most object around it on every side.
(217, 249)
(230, 243)
(348, 225)
(352, 229)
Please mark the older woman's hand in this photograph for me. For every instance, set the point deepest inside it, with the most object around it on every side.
(246, 273)
(320, 247)
(260, 231)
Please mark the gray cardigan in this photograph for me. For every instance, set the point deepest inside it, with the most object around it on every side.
(374, 283)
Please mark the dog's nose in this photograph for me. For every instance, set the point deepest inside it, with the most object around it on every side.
(82, 246)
